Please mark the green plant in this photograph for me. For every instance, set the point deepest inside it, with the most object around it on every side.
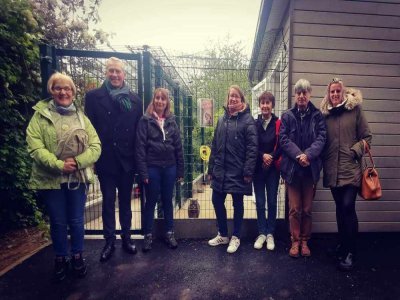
(19, 82)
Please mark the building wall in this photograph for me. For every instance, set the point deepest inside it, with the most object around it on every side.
(358, 41)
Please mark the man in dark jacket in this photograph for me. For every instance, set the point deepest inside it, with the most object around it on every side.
(114, 112)
(302, 139)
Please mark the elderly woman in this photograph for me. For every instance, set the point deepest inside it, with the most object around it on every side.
(159, 157)
(266, 177)
(232, 163)
(63, 145)
(302, 138)
(347, 127)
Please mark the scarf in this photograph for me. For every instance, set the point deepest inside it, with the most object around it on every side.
(120, 96)
(235, 108)
(61, 109)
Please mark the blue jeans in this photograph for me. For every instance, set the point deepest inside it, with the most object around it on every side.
(266, 180)
(218, 200)
(66, 209)
(161, 183)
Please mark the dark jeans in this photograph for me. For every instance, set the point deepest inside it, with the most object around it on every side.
(346, 216)
(161, 183)
(218, 200)
(266, 180)
(66, 209)
(109, 183)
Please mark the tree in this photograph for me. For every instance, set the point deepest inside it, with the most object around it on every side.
(19, 82)
(65, 23)
(224, 63)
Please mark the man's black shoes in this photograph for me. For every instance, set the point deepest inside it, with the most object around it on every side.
(107, 251)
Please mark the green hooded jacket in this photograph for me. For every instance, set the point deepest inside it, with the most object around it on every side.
(41, 137)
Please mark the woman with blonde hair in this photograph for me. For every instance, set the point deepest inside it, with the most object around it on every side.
(63, 145)
(159, 158)
(231, 165)
(347, 130)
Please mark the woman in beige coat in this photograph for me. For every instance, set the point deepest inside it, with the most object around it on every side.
(347, 127)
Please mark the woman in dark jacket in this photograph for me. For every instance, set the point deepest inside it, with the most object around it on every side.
(302, 138)
(231, 166)
(347, 127)
(266, 177)
(159, 158)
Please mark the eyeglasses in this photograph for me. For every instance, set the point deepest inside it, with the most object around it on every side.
(66, 89)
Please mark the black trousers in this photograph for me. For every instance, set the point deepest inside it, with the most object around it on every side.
(109, 184)
(346, 216)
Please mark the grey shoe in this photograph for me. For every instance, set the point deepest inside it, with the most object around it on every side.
(147, 242)
(170, 240)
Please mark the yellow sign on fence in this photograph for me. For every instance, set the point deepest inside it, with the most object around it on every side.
(205, 152)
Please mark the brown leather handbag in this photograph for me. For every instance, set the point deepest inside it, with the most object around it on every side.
(370, 185)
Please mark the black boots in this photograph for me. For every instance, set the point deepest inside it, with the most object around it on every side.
(79, 266)
(128, 245)
(147, 242)
(170, 240)
(347, 262)
(107, 251)
(61, 267)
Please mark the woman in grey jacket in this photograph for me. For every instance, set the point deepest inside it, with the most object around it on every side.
(347, 127)
(232, 164)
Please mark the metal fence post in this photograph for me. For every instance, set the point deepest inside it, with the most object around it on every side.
(189, 148)
(46, 66)
(146, 78)
(178, 196)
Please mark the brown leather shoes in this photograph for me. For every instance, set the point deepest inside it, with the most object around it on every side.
(295, 249)
(305, 251)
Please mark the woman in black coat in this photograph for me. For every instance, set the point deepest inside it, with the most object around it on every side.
(232, 163)
(159, 158)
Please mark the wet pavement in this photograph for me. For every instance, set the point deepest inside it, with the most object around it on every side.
(198, 271)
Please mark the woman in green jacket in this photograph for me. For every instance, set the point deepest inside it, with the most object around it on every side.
(347, 127)
(63, 145)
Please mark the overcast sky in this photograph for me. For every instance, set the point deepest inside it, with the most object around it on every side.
(182, 25)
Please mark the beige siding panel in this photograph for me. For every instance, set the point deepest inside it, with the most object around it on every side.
(345, 68)
(363, 216)
(363, 227)
(361, 205)
(346, 56)
(388, 195)
(351, 80)
(341, 18)
(385, 128)
(386, 140)
(348, 6)
(321, 42)
(346, 31)
(386, 117)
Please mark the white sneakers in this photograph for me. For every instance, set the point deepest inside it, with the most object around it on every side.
(221, 240)
(270, 242)
(233, 244)
(260, 241)
(218, 240)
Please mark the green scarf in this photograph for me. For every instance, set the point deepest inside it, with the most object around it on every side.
(119, 95)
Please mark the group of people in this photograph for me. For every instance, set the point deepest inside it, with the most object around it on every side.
(296, 147)
(114, 135)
